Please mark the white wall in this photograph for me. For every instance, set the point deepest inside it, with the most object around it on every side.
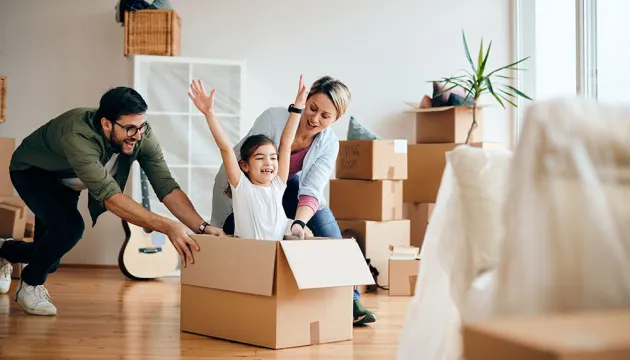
(66, 53)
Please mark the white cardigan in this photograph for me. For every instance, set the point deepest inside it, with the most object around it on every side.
(319, 162)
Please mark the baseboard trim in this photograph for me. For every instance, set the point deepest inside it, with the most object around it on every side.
(88, 266)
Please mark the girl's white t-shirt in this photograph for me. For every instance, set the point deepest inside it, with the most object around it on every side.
(258, 210)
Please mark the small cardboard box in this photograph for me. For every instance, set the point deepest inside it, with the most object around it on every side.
(372, 160)
(600, 335)
(426, 163)
(7, 147)
(273, 294)
(418, 215)
(403, 270)
(447, 124)
(12, 220)
(375, 239)
(377, 200)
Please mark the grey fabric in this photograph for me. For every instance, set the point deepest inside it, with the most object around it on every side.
(356, 131)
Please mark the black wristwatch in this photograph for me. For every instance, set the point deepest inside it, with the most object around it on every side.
(202, 227)
(294, 109)
(299, 222)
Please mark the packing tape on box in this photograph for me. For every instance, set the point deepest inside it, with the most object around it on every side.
(390, 172)
(315, 333)
(412, 284)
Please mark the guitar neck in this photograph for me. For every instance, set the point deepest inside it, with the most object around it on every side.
(144, 183)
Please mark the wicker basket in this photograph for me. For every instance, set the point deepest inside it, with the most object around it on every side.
(3, 99)
(153, 32)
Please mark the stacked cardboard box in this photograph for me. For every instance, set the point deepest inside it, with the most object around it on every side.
(367, 198)
(438, 131)
(15, 220)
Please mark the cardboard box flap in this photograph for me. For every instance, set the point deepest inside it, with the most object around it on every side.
(404, 252)
(232, 264)
(327, 263)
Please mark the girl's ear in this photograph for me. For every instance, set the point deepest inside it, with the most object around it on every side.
(243, 165)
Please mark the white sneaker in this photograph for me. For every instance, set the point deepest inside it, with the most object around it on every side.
(34, 299)
(6, 269)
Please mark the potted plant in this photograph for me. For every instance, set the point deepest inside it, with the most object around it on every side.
(480, 81)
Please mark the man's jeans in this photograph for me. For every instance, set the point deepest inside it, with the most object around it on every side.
(323, 223)
(58, 224)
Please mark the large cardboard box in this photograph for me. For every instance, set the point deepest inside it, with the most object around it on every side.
(426, 163)
(601, 335)
(378, 200)
(273, 294)
(418, 215)
(7, 147)
(447, 124)
(403, 270)
(375, 239)
(372, 160)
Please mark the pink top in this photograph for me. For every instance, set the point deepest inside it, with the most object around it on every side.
(295, 166)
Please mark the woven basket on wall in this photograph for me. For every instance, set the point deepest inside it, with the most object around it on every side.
(3, 99)
(152, 32)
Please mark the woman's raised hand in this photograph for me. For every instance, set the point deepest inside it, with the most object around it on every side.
(300, 100)
(203, 101)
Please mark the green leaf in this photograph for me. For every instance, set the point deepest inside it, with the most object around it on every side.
(506, 99)
(480, 60)
(468, 53)
(510, 66)
(518, 92)
(505, 77)
(485, 60)
(507, 93)
(489, 83)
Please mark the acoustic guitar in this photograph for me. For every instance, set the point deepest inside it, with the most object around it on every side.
(146, 254)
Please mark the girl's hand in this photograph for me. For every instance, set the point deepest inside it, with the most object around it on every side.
(300, 100)
(203, 101)
(298, 231)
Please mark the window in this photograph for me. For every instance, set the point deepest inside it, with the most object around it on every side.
(577, 47)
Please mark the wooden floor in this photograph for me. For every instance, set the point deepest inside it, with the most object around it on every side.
(101, 315)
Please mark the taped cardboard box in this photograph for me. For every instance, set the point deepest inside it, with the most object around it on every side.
(372, 159)
(7, 147)
(447, 124)
(404, 263)
(375, 239)
(273, 294)
(418, 215)
(597, 335)
(12, 220)
(377, 200)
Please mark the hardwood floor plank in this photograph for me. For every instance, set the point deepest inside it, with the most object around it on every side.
(102, 315)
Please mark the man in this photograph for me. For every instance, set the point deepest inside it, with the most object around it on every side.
(90, 149)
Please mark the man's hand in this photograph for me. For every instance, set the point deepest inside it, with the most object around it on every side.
(179, 235)
(213, 230)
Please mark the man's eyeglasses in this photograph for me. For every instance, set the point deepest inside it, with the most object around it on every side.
(133, 130)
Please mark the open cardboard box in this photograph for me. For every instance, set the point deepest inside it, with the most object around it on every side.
(273, 294)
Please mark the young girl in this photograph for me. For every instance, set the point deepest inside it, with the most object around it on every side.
(257, 182)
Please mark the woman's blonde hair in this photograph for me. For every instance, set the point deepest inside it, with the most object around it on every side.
(336, 91)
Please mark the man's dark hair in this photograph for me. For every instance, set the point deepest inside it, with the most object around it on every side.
(117, 102)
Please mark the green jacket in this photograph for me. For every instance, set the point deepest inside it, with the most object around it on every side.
(71, 146)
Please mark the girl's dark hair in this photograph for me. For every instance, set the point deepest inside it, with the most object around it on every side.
(119, 101)
(249, 147)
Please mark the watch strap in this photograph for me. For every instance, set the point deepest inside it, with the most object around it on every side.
(294, 109)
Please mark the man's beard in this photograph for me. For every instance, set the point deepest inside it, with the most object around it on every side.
(116, 145)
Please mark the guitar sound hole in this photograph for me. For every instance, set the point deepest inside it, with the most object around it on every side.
(150, 250)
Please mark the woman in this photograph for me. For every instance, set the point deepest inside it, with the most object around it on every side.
(313, 158)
